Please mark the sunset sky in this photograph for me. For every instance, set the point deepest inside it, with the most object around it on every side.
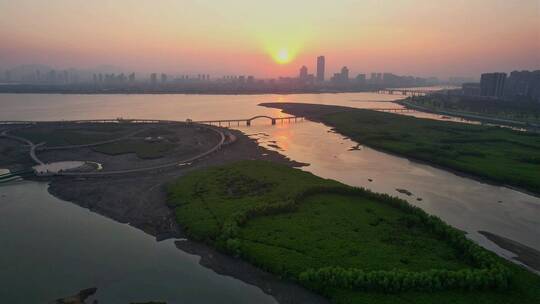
(271, 38)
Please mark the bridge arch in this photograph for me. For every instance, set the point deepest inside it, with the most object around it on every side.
(272, 119)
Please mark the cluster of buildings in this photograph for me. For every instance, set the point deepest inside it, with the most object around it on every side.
(34, 77)
(342, 78)
(46, 76)
(112, 78)
(519, 85)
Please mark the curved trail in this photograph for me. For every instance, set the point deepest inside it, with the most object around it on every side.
(156, 167)
(26, 141)
(34, 147)
(97, 143)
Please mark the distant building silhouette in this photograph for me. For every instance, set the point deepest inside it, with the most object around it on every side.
(345, 74)
(320, 68)
(163, 78)
(153, 78)
(341, 77)
(303, 73)
(376, 78)
(361, 78)
(492, 84)
(121, 78)
(471, 88)
(523, 85)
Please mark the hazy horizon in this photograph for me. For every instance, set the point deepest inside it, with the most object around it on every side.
(424, 38)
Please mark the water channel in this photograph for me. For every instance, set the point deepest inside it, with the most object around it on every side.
(52, 248)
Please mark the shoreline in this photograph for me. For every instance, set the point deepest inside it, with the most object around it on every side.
(524, 254)
(142, 204)
(530, 127)
(315, 118)
(529, 256)
(188, 92)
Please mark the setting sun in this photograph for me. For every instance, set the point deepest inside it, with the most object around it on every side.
(283, 56)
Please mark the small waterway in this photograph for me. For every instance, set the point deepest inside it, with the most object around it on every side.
(462, 202)
(51, 249)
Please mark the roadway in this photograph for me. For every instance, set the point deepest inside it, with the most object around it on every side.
(26, 141)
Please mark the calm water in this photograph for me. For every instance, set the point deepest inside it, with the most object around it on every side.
(113, 255)
(462, 202)
(174, 107)
(52, 248)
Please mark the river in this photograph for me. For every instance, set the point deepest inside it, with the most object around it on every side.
(82, 249)
(51, 248)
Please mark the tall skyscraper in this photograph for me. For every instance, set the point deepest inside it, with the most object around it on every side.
(492, 84)
(320, 68)
(303, 73)
(345, 74)
(523, 84)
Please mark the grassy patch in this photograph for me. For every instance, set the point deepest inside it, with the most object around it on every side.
(143, 149)
(78, 135)
(520, 110)
(351, 231)
(498, 154)
(349, 244)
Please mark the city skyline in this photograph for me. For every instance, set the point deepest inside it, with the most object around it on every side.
(44, 75)
(464, 39)
(36, 72)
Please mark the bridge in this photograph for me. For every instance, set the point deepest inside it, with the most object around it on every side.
(247, 122)
(407, 92)
(393, 110)
(217, 122)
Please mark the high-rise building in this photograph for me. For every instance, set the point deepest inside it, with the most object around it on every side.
(492, 84)
(320, 68)
(344, 74)
(163, 77)
(361, 78)
(153, 78)
(303, 73)
(523, 85)
(376, 78)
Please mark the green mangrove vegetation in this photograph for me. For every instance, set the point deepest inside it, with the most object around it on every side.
(523, 110)
(348, 244)
(497, 154)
